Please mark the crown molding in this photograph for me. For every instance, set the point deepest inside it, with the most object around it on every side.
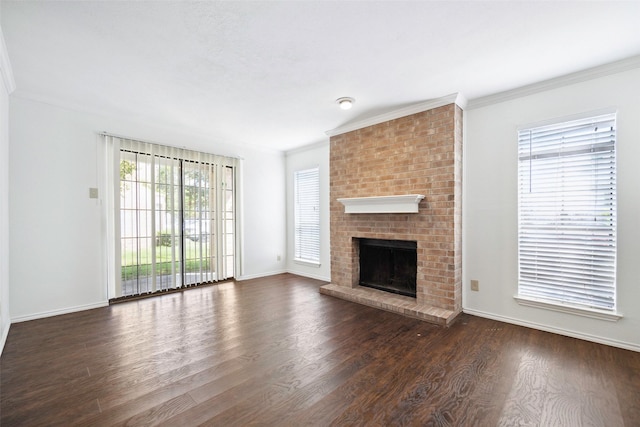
(312, 146)
(5, 66)
(568, 79)
(454, 98)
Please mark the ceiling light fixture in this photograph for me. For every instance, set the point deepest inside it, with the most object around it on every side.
(345, 102)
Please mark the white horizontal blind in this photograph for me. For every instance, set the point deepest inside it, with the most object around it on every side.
(567, 212)
(307, 215)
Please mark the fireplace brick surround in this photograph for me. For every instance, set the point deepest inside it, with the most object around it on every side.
(416, 154)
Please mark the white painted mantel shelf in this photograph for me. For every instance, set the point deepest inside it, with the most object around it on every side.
(407, 203)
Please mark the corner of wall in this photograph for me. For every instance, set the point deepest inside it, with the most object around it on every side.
(8, 86)
(5, 334)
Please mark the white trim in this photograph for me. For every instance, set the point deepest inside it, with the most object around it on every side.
(562, 308)
(3, 339)
(310, 276)
(307, 263)
(382, 204)
(454, 98)
(307, 147)
(258, 275)
(557, 82)
(52, 313)
(275, 273)
(5, 66)
(559, 331)
(572, 117)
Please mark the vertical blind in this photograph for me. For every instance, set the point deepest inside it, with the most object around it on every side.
(176, 211)
(567, 212)
(307, 215)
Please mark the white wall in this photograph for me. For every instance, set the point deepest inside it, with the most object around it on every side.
(57, 254)
(264, 213)
(306, 158)
(490, 206)
(5, 88)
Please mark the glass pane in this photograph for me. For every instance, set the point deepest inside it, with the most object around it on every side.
(567, 204)
(168, 222)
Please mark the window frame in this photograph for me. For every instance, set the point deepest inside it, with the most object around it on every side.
(310, 241)
(216, 228)
(561, 304)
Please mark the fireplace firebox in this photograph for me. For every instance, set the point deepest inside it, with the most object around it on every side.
(389, 265)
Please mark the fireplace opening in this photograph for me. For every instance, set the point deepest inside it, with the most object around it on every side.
(389, 265)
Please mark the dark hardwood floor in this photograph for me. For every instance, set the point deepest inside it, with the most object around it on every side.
(275, 352)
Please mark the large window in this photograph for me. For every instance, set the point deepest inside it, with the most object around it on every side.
(307, 216)
(177, 218)
(567, 213)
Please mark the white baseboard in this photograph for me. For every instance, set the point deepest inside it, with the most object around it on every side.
(559, 331)
(259, 275)
(310, 276)
(51, 313)
(274, 273)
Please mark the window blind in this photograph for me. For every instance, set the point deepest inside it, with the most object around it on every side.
(177, 213)
(567, 212)
(307, 215)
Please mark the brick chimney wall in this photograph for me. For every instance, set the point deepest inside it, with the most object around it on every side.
(416, 154)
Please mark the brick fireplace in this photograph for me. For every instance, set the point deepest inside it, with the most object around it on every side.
(416, 154)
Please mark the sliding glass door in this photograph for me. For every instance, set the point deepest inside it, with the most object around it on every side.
(177, 220)
(209, 222)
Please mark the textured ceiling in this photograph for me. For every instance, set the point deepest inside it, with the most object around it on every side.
(268, 73)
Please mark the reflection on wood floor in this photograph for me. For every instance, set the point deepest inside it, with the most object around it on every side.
(273, 351)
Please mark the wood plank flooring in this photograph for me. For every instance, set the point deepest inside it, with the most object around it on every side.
(275, 352)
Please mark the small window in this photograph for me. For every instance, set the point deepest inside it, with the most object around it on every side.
(567, 213)
(307, 215)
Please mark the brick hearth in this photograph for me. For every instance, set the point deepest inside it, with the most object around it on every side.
(417, 154)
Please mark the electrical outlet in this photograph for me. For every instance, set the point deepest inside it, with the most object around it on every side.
(475, 285)
(93, 193)
(279, 258)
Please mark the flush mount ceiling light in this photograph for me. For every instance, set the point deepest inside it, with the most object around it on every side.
(345, 102)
